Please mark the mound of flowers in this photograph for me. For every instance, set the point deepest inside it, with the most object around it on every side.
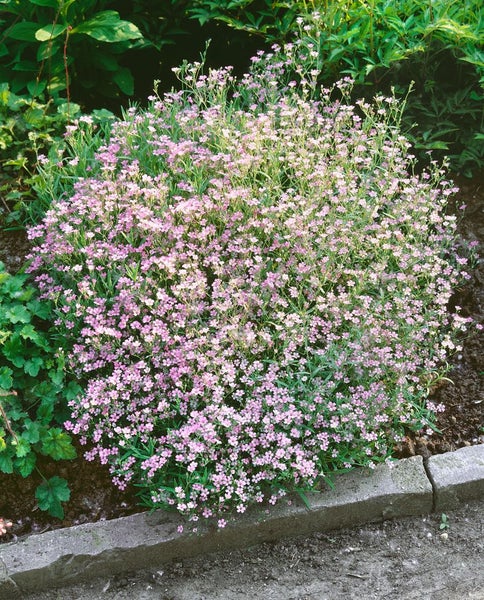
(253, 286)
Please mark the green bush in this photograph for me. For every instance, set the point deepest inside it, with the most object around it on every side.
(438, 46)
(273, 21)
(49, 43)
(28, 126)
(29, 129)
(161, 23)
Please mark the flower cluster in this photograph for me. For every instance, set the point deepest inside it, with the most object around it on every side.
(255, 289)
(4, 526)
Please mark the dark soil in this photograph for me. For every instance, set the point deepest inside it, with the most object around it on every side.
(93, 497)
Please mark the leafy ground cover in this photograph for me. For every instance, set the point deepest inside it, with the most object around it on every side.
(222, 364)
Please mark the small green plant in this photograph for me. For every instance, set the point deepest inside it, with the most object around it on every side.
(51, 494)
(444, 522)
(28, 126)
(33, 389)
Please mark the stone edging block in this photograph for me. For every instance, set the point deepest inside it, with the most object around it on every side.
(144, 540)
(457, 476)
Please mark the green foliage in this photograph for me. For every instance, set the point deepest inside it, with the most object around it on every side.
(30, 129)
(160, 22)
(47, 44)
(28, 126)
(271, 20)
(385, 43)
(32, 387)
(51, 493)
(446, 119)
(438, 45)
(73, 156)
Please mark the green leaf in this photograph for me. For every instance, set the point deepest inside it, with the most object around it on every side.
(51, 3)
(35, 88)
(25, 465)
(18, 314)
(106, 26)
(14, 412)
(14, 286)
(6, 380)
(48, 50)
(124, 80)
(49, 32)
(46, 391)
(31, 432)
(72, 391)
(33, 366)
(40, 309)
(45, 411)
(6, 464)
(106, 61)
(28, 333)
(24, 31)
(22, 447)
(56, 376)
(68, 109)
(304, 498)
(58, 445)
(13, 350)
(51, 493)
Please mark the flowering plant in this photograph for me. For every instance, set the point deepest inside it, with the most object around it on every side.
(254, 286)
(4, 526)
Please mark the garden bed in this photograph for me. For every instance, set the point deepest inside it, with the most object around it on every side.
(93, 497)
(250, 286)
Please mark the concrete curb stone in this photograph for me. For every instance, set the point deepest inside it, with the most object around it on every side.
(141, 541)
(457, 476)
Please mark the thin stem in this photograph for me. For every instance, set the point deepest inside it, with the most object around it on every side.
(66, 71)
(4, 414)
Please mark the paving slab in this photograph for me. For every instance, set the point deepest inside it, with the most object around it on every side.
(141, 541)
(457, 476)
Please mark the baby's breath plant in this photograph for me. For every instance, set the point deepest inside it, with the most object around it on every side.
(254, 284)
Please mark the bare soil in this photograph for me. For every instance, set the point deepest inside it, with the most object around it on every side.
(93, 497)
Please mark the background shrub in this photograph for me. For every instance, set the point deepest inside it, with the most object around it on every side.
(49, 43)
(253, 283)
(28, 126)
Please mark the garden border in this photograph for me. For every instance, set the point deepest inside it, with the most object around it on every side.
(408, 487)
